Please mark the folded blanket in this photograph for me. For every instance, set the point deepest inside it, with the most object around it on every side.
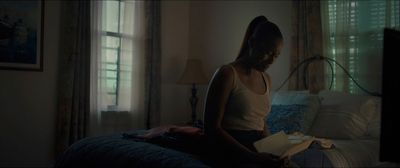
(172, 129)
(184, 138)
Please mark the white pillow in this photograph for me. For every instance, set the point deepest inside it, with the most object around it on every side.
(302, 97)
(374, 126)
(343, 116)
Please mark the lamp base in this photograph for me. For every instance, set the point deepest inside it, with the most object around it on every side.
(198, 124)
(193, 102)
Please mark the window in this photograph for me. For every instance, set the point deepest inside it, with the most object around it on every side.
(118, 64)
(112, 70)
(355, 35)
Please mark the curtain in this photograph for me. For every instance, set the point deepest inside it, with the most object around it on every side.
(153, 70)
(73, 96)
(139, 67)
(353, 38)
(306, 42)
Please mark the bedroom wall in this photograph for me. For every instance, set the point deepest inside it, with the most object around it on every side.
(211, 31)
(28, 105)
(174, 51)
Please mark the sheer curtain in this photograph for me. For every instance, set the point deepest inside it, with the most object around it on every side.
(353, 34)
(306, 42)
(125, 108)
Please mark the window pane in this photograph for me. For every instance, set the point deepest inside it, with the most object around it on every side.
(111, 42)
(111, 56)
(111, 85)
(110, 66)
(122, 12)
(111, 74)
(111, 18)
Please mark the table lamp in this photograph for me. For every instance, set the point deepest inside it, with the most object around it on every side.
(193, 75)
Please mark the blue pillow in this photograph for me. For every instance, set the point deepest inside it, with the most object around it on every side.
(287, 118)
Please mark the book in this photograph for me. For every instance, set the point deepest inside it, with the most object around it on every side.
(284, 145)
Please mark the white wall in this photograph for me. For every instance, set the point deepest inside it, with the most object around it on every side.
(28, 105)
(214, 33)
(174, 51)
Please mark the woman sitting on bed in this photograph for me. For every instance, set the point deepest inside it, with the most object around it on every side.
(238, 99)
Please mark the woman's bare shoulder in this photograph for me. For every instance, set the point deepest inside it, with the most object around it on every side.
(224, 75)
(266, 75)
(224, 71)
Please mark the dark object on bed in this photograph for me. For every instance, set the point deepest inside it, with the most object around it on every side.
(390, 91)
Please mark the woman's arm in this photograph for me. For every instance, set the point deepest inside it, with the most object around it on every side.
(266, 130)
(268, 78)
(217, 97)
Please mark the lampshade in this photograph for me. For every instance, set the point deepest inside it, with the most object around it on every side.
(193, 73)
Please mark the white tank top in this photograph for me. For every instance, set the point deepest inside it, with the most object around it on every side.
(245, 109)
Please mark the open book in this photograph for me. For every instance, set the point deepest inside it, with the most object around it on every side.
(284, 145)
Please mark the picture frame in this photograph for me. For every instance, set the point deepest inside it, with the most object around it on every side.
(21, 35)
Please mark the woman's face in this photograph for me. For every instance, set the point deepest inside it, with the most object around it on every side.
(269, 58)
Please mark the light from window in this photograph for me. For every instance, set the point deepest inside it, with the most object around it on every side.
(111, 49)
(356, 34)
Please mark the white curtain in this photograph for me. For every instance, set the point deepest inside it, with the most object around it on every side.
(353, 34)
(129, 113)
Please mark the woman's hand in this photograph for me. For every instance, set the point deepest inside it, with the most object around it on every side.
(269, 160)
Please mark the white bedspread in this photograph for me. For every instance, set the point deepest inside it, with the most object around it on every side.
(354, 153)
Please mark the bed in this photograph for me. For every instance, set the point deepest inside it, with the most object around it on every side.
(119, 150)
(351, 122)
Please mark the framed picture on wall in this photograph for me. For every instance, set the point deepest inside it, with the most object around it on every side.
(21, 34)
